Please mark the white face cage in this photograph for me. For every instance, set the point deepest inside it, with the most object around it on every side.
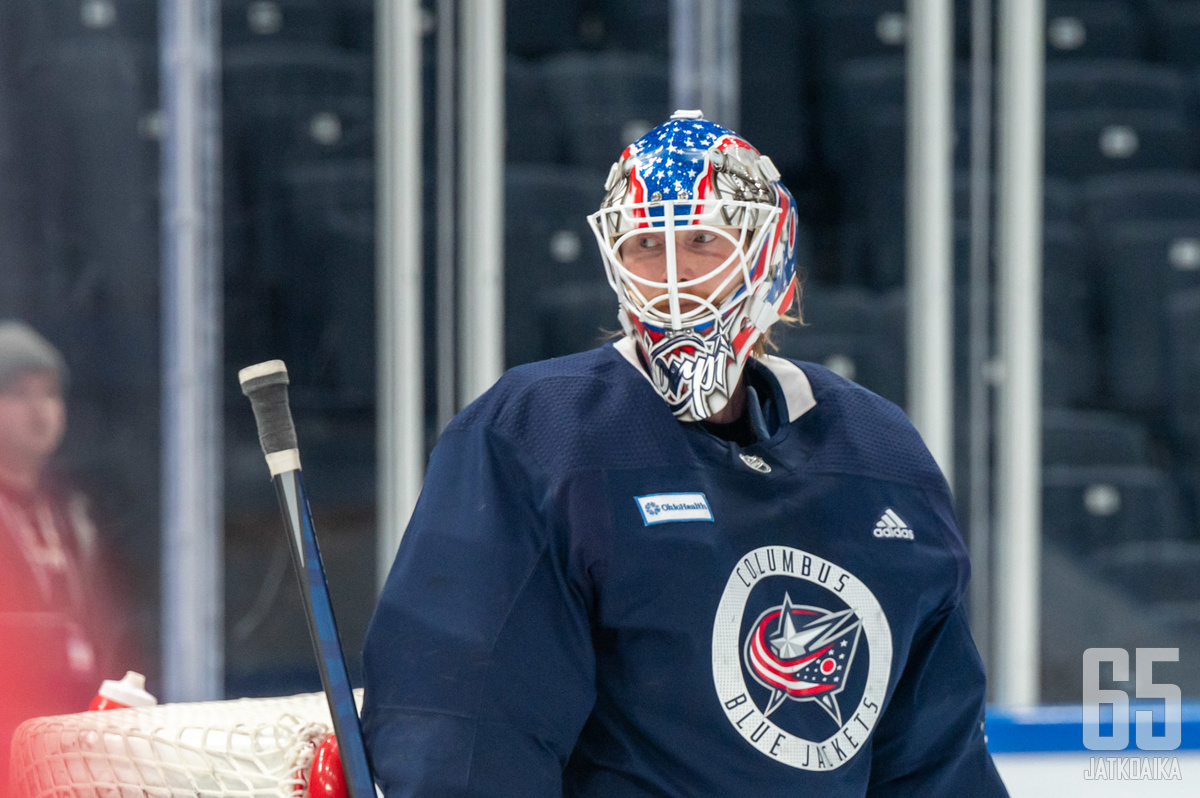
(687, 325)
(673, 304)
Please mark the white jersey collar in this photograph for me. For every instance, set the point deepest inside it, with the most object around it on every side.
(797, 390)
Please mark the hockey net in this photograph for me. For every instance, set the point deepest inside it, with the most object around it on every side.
(246, 748)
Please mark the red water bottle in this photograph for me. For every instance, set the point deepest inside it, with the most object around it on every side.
(129, 692)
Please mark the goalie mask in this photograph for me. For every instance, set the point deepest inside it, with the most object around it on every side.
(698, 236)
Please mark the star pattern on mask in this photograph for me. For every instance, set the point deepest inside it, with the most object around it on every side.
(672, 156)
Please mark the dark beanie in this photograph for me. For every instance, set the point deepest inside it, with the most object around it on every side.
(23, 351)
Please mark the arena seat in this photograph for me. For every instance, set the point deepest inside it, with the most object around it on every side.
(854, 332)
(1182, 331)
(281, 238)
(39, 24)
(1094, 29)
(331, 302)
(861, 136)
(886, 224)
(1175, 31)
(1115, 85)
(857, 88)
(1142, 264)
(880, 175)
(1085, 508)
(605, 101)
(865, 90)
(1068, 317)
(639, 26)
(885, 140)
(82, 76)
(773, 112)
(313, 283)
(1105, 115)
(774, 116)
(534, 28)
(321, 190)
(1067, 284)
(1060, 199)
(262, 144)
(279, 21)
(1146, 196)
(261, 148)
(1067, 276)
(1081, 144)
(285, 105)
(1068, 375)
(574, 317)
(1077, 29)
(342, 127)
(856, 29)
(358, 25)
(533, 132)
(349, 341)
(548, 207)
(1093, 438)
(258, 76)
(887, 219)
(1161, 575)
(1070, 363)
(548, 245)
(17, 256)
(94, 219)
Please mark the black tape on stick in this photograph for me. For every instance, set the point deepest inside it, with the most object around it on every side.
(265, 385)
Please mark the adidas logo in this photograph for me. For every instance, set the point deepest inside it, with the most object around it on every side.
(892, 526)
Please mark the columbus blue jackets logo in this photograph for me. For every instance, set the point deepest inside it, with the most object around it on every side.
(801, 657)
(802, 654)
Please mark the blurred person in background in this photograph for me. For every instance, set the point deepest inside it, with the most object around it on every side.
(56, 613)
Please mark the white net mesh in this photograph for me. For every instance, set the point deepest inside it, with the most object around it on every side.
(247, 747)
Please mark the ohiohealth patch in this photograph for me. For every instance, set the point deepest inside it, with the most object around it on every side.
(662, 508)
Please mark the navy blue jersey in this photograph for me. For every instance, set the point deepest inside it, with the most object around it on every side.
(594, 599)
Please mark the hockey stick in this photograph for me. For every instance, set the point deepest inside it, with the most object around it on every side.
(265, 385)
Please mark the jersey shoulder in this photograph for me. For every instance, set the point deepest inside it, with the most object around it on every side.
(587, 410)
(859, 432)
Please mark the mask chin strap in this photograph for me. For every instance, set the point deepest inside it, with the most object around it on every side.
(672, 269)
